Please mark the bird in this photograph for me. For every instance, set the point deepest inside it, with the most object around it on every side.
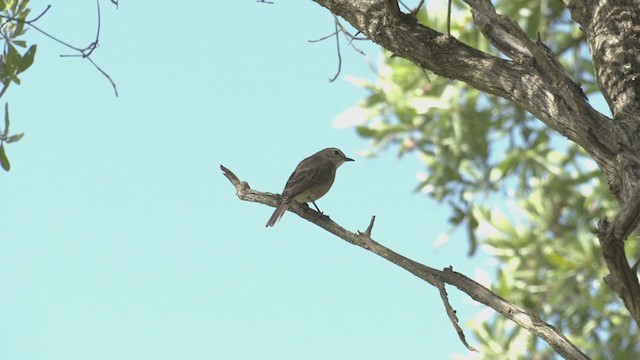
(310, 181)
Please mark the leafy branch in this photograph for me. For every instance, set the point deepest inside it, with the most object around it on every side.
(15, 23)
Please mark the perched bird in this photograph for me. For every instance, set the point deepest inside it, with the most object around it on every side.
(311, 179)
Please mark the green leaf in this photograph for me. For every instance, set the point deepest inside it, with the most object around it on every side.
(12, 58)
(27, 59)
(14, 138)
(20, 43)
(3, 159)
(365, 131)
(19, 29)
(472, 226)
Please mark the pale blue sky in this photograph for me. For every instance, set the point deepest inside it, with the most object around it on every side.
(122, 240)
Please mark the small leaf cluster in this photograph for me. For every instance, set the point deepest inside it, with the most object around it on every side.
(13, 61)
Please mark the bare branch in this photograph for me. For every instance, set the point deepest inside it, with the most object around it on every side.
(323, 38)
(476, 291)
(452, 314)
(369, 228)
(337, 51)
(449, 17)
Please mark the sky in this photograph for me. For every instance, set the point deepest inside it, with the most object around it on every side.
(122, 240)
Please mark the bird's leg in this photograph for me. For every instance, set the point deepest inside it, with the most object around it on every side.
(314, 204)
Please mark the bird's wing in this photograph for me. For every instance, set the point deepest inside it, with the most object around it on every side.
(306, 176)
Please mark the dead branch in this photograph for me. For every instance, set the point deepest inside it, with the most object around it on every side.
(476, 291)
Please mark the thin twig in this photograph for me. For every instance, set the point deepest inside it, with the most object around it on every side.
(416, 9)
(452, 314)
(350, 38)
(370, 227)
(449, 17)
(41, 14)
(339, 55)
(115, 89)
(323, 38)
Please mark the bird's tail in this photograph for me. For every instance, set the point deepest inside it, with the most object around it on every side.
(277, 214)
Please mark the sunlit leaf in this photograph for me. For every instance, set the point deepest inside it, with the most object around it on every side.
(14, 138)
(27, 59)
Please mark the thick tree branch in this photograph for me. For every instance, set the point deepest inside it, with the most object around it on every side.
(612, 29)
(541, 88)
(521, 317)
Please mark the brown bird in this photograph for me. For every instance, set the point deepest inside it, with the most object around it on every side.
(311, 179)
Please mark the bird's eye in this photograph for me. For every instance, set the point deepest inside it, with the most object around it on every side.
(336, 152)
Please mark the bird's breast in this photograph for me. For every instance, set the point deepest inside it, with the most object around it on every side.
(316, 192)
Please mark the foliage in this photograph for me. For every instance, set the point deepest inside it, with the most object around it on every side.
(522, 192)
(13, 14)
(12, 61)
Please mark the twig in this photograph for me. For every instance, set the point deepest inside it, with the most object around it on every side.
(416, 9)
(338, 51)
(41, 14)
(449, 18)
(115, 89)
(370, 227)
(350, 39)
(452, 314)
(323, 38)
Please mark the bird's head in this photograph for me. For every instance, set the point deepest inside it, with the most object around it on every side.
(336, 156)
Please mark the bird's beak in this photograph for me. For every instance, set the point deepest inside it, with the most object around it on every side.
(348, 159)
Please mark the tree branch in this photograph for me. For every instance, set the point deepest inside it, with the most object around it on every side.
(612, 29)
(622, 277)
(538, 86)
(476, 291)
